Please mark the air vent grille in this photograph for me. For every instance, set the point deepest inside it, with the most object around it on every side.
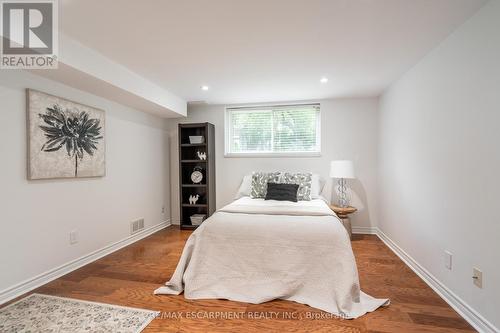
(136, 226)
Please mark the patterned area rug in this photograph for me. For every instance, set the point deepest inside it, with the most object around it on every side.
(51, 314)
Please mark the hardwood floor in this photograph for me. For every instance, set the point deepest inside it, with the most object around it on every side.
(129, 276)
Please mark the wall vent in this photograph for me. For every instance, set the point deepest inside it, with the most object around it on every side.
(136, 226)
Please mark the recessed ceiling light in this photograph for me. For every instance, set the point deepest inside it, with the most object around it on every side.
(324, 80)
(204, 88)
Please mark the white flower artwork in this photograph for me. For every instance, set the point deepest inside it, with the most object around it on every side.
(65, 139)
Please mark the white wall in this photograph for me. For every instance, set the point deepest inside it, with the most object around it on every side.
(37, 216)
(348, 131)
(440, 159)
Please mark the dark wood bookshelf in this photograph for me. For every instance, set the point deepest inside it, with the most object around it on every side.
(188, 161)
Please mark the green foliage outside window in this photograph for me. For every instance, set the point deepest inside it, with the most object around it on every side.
(274, 130)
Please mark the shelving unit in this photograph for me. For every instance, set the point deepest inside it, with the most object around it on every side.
(188, 160)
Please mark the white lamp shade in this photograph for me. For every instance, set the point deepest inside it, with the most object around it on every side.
(342, 169)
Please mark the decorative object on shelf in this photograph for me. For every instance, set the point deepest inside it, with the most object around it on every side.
(196, 139)
(65, 139)
(197, 219)
(342, 170)
(197, 175)
(193, 199)
(202, 155)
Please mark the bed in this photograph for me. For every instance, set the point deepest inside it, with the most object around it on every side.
(256, 250)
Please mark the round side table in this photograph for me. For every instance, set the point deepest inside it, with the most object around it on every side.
(343, 214)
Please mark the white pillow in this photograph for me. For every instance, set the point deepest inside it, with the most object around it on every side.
(326, 193)
(317, 186)
(245, 187)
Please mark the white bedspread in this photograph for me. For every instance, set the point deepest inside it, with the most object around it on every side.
(255, 251)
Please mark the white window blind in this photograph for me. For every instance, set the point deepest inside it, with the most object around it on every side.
(273, 130)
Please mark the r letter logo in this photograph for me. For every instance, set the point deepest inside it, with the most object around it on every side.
(29, 34)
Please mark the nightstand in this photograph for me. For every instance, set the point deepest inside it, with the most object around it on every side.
(342, 213)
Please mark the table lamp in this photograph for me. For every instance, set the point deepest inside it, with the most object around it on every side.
(342, 170)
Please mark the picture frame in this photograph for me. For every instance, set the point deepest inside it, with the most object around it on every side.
(65, 139)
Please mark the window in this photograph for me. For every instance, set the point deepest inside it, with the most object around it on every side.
(273, 130)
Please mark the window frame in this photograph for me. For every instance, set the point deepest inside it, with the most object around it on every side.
(227, 130)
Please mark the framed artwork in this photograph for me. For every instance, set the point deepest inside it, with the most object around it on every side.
(65, 139)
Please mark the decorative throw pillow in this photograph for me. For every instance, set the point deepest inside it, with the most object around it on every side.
(282, 192)
(304, 180)
(259, 183)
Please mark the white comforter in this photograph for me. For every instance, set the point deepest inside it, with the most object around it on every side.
(255, 251)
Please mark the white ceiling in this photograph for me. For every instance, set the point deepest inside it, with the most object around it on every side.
(265, 50)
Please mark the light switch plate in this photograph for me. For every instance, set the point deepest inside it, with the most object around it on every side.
(73, 237)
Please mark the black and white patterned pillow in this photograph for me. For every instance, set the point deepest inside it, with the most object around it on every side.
(304, 180)
(259, 183)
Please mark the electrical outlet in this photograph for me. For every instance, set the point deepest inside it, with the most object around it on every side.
(448, 259)
(163, 209)
(477, 277)
(73, 237)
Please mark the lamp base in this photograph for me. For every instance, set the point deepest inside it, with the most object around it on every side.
(343, 200)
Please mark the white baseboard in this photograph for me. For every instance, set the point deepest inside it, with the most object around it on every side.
(364, 230)
(466, 311)
(39, 280)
